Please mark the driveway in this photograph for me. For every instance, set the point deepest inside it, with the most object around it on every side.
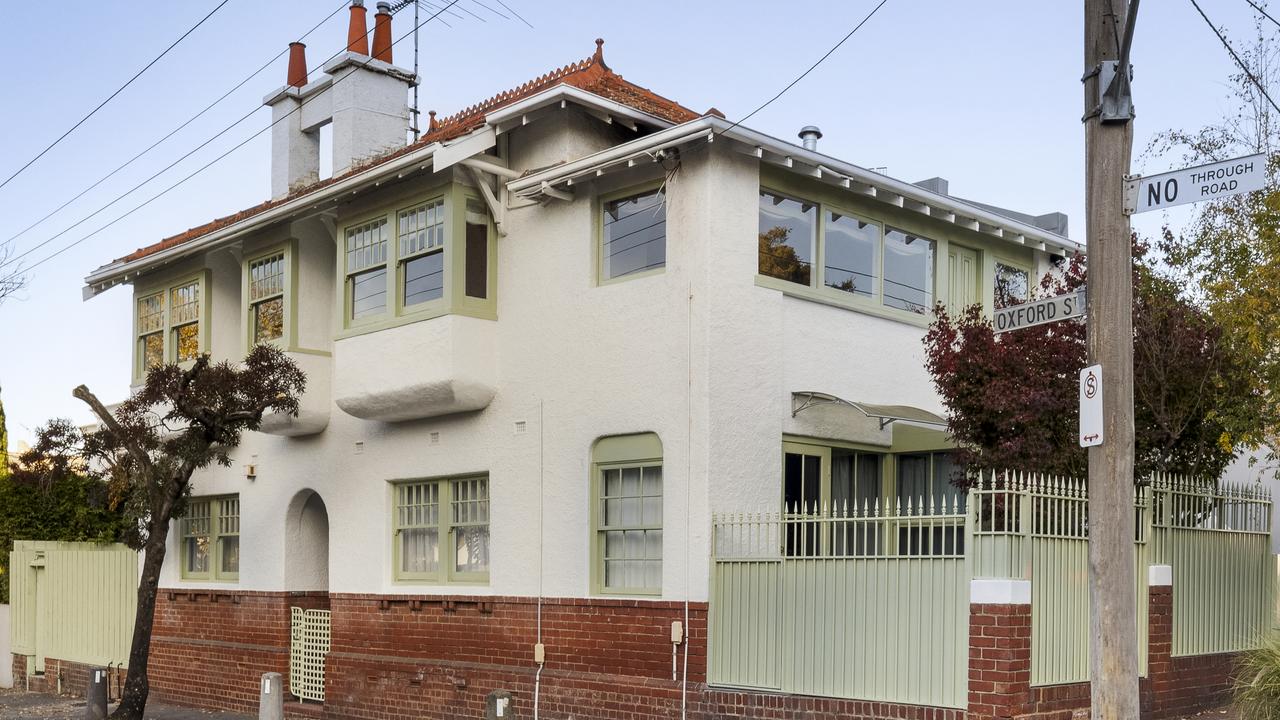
(19, 704)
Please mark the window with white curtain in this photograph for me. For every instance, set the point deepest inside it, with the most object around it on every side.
(628, 494)
(441, 530)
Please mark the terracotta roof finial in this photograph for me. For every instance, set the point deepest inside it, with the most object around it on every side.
(598, 57)
(433, 124)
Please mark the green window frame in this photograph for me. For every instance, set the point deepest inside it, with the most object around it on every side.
(171, 322)
(440, 530)
(268, 300)
(632, 234)
(627, 515)
(415, 259)
(844, 258)
(209, 545)
(1007, 288)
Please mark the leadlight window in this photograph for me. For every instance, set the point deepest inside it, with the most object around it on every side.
(908, 271)
(1013, 285)
(788, 237)
(366, 251)
(150, 331)
(184, 318)
(421, 238)
(631, 527)
(442, 530)
(634, 235)
(266, 298)
(210, 546)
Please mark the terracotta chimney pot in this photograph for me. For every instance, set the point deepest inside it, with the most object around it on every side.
(382, 33)
(358, 30)
(297, 64)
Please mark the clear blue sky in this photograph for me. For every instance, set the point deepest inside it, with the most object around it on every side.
(986, 94)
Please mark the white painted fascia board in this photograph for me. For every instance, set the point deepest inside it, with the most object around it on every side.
(560, 93)
(117, 272)
(610, 156)
(883, 182)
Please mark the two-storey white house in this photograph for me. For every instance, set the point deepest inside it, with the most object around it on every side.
(544, 345)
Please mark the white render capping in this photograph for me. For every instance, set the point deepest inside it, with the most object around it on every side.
(999, 591)
(806, 162)
(1160, 575)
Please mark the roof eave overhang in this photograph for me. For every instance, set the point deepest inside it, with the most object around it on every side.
(805, 162)
(119, 272)
(521, 112)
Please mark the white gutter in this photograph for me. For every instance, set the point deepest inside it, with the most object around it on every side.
(118, 272)
(907, 195)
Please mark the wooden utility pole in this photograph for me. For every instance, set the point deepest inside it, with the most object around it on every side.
(1108, 143)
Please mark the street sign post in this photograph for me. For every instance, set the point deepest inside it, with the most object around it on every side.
(1091, 406)
(1039, 312)
(1194, 184)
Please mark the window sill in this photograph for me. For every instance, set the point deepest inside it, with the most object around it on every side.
(837, 298)
(386, 323)
(628, 594)
(603, 281)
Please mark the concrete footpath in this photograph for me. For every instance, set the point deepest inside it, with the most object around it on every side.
(19, 705)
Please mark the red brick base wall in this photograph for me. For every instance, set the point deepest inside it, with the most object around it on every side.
(424, 657)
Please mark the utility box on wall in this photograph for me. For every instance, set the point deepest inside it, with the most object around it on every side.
(498, 704)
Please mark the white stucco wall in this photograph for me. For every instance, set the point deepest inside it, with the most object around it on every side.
(699, 354)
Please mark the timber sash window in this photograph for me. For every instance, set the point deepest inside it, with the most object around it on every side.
(925, 488)
(150, 332)
(210, 542)
(170, 324)
(822, 252)
(449, 514)
(184, 318)
(1013, 285)
(633, 235)
(627, 491)
(266, 298)
(421, 259)
(366, 252)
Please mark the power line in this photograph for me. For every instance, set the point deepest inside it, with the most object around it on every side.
(112, 95)
(812, 67)
(171, 165)
(513, 12)
(1262, 10)
(207, 165)
(1244, 68)
(170, 134)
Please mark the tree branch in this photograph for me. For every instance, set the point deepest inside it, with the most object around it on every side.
(108, 421)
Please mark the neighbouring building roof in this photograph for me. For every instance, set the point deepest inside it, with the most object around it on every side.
(591, 75)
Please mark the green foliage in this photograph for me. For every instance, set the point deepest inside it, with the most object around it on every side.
(70, 508)
(1257, 685)
(4, 444)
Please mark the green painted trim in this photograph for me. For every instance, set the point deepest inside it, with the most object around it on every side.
(618, 451)
(214, 574)
(854, 204)
(308, 351)
(165, 288)
(453, 298)
(597, 235)
(289, 249)
(445, 573)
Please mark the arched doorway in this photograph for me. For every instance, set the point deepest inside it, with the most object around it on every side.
(306, 545)
(306, 577)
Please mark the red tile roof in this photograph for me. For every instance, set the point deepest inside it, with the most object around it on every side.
(591, 75)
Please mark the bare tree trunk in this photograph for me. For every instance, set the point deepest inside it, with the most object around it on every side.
(136, 686)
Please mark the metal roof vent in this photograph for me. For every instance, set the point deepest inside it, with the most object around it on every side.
(809, 135)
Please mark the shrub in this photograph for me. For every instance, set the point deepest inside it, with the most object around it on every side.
(1257, 687)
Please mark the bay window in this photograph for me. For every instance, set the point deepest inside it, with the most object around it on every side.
(366, 253)
(421, 231)
(170, 324)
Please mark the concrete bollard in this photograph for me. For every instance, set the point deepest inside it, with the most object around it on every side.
(271, 697)
(95, 695)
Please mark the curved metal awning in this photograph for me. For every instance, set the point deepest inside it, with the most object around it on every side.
(886, 414)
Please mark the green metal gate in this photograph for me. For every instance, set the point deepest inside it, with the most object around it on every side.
(308, 647)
